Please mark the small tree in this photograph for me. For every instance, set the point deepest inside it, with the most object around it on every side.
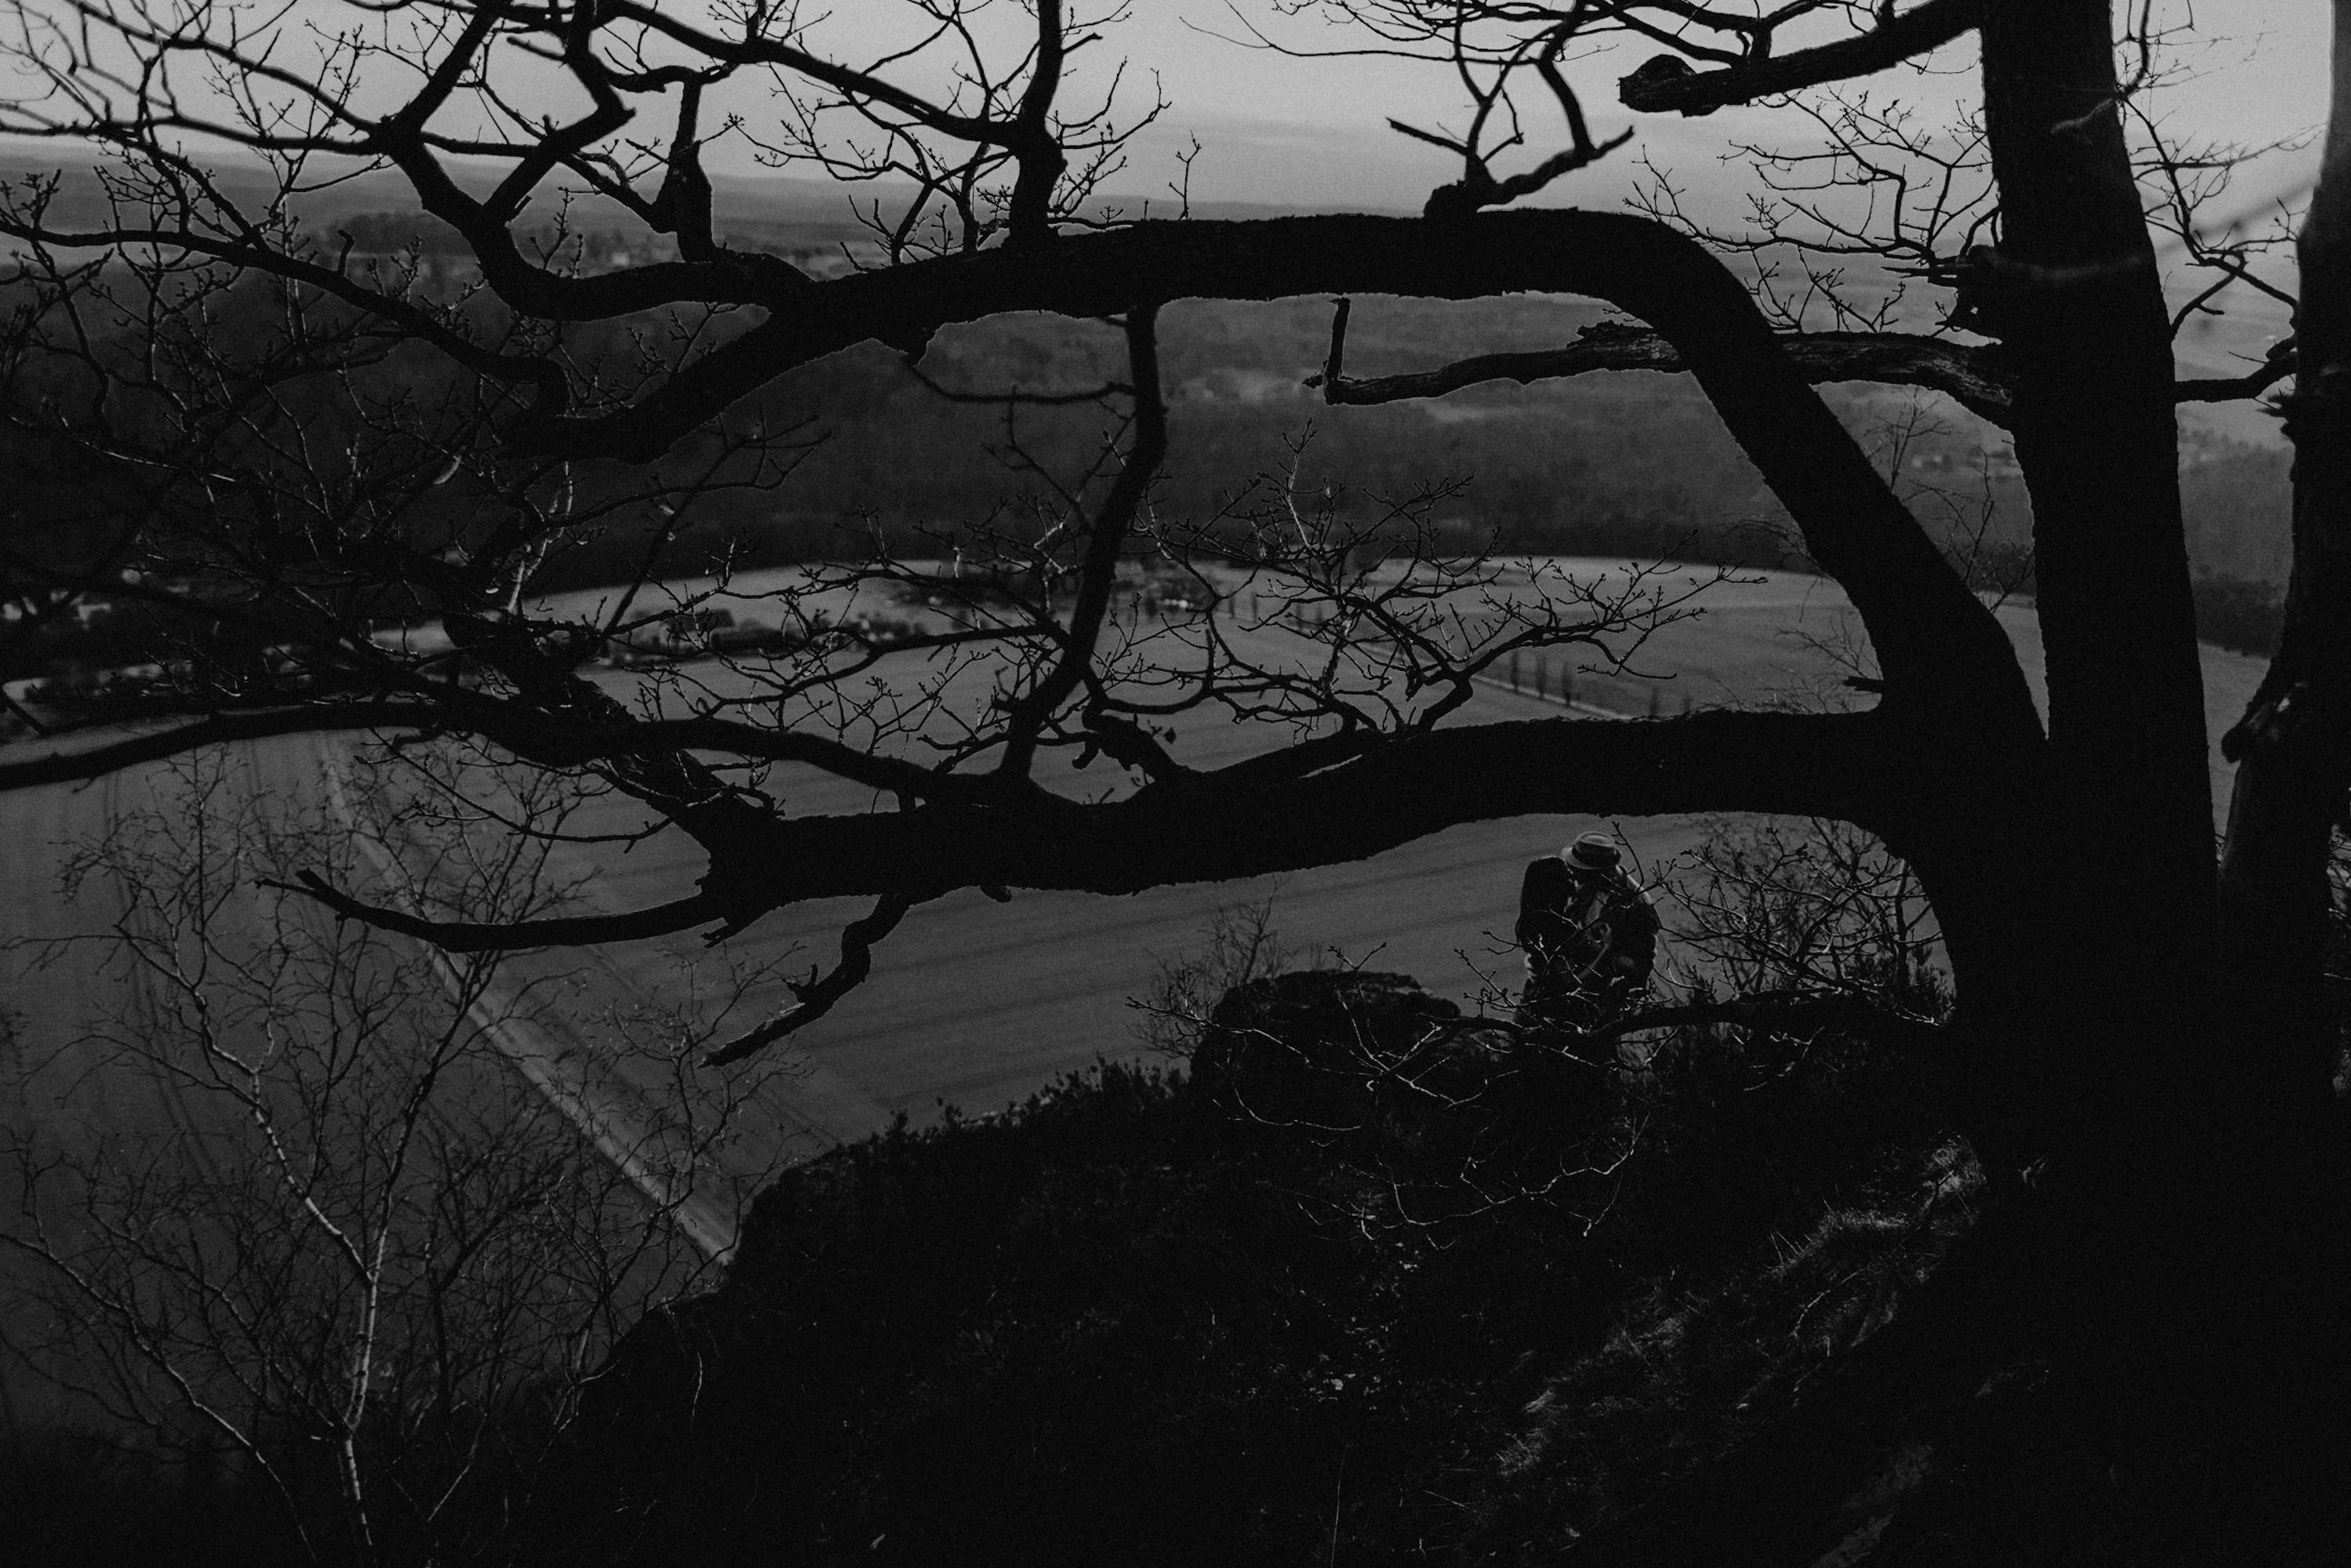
(360, 1255)
(1781, 907)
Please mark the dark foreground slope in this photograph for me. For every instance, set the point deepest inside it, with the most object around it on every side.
(1364, 1285)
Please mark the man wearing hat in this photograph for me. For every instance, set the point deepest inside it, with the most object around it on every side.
(1590, 936)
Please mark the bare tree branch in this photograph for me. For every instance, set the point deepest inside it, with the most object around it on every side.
(2280, 364)
(1665, 84)
(69, 767)
(1248, 820)
(1239, 822)
(815, 997)
(511, 936)
(1969, 375)
(1106, 541)
(1853, 526)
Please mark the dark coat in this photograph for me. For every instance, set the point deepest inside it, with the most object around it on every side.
(1591, 940)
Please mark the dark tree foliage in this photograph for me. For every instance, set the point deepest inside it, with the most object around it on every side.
(1228, 1316)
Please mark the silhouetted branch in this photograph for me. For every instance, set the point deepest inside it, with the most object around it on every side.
(815, 996)
(1478, 187)
(509, 937)
(1240, 821)
(96, 762)
(1853, 526)
(1105, 542)
(1666, 85)
(2280, 364)
(1969, 375)
(1974, 377)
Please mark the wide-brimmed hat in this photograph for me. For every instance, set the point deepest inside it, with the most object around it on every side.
(1593, 852)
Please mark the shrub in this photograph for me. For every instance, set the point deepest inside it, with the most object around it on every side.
(1364, 1280)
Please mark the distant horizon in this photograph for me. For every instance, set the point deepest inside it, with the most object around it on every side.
(1331, 149)
(2258, 76)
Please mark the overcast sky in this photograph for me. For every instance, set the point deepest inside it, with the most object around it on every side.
(1313, 132)
(1295, 131)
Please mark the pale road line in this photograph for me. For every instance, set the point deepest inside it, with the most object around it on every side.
(1572, 705)
(537, 1060)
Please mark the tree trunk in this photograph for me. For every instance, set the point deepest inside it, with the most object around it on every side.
(2149, 1325)
(2139, 1356)
(2293, 762)
(2074, 291)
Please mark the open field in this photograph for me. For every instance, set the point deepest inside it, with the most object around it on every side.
(973, 1003)
(976, 1004)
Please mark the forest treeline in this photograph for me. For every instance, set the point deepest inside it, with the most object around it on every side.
(1627, 464)
(1633, 465)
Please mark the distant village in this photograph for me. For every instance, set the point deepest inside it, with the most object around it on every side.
(76, 673)
(443, 262)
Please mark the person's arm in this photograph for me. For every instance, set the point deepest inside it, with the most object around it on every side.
(1637, 925)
